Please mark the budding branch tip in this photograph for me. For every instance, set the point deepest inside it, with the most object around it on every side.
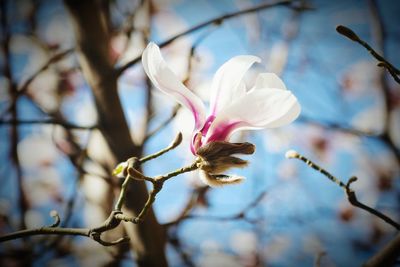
(291, 154)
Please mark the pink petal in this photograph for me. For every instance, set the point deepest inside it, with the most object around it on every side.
(258, 109)
(164, 79)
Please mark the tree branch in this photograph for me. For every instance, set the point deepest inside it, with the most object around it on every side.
(351, 194)
(387, 255)
(147, 240)
(218, 20)
(117, 215)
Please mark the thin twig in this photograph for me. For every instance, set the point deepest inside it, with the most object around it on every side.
(116, 216)
(13, 92)
(351, 194)
(94, 233)
(218, 20)
(345, 31)
(157, 182)
(241, 215)
(165, 177)
(177, 141)
(164, 123)
(65, 124)
(24, 87)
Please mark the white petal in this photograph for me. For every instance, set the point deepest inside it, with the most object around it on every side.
(269, 80)
(214, 181)
(226, 87)
(164, 79)
(262, 108)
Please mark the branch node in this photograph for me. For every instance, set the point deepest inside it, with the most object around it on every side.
(343, 30)
(349, 182)
(57, 219)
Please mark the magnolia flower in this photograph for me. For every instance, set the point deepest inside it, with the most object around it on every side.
(268, 104)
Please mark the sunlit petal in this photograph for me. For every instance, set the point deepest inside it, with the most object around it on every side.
(262, 108)
(164, 79)
(226, 85)
(269, 80)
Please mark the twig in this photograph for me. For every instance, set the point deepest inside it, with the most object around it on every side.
(382, 61)
(163, 178)
(94, 233)
(241, 215)
(164, 123)
(196, 193)
(351, 194)
(55, 58)
(116, 216)
(318, 258)
(65, 124)
(174, 144)
(218, 20)
(13, 92)
(157, 182)
(132, 163)
(24, 87)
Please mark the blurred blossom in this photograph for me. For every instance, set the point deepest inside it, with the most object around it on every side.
(137, 122)
(312, 244)
(89, 253)
(252, 22)
(177, 55)
(43, 187)
(218, 259)
(43, 87)
(277, 59)
(34, 219)
(394, 130)
(93, 213)
(318, 141)
(45, 151)
(276, 248)
(127, 48)
(166, 22)
(287, 169)
(84, 113)
(98, 149)
(57, 31)
(370, 120)
(346, 211)
(95, 188)
(278, 140)
(243, 242)
(210, 245)
(361, 77)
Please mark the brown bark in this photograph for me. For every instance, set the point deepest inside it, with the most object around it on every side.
(92, 44)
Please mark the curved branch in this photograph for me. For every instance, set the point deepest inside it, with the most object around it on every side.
(351, 195)
(218, 20)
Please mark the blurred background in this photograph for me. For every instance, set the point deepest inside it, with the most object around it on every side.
(55, 155)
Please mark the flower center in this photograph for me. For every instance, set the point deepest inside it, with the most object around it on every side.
(197, 140)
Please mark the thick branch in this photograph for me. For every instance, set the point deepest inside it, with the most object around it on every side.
(92, 38)
(387, 255)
